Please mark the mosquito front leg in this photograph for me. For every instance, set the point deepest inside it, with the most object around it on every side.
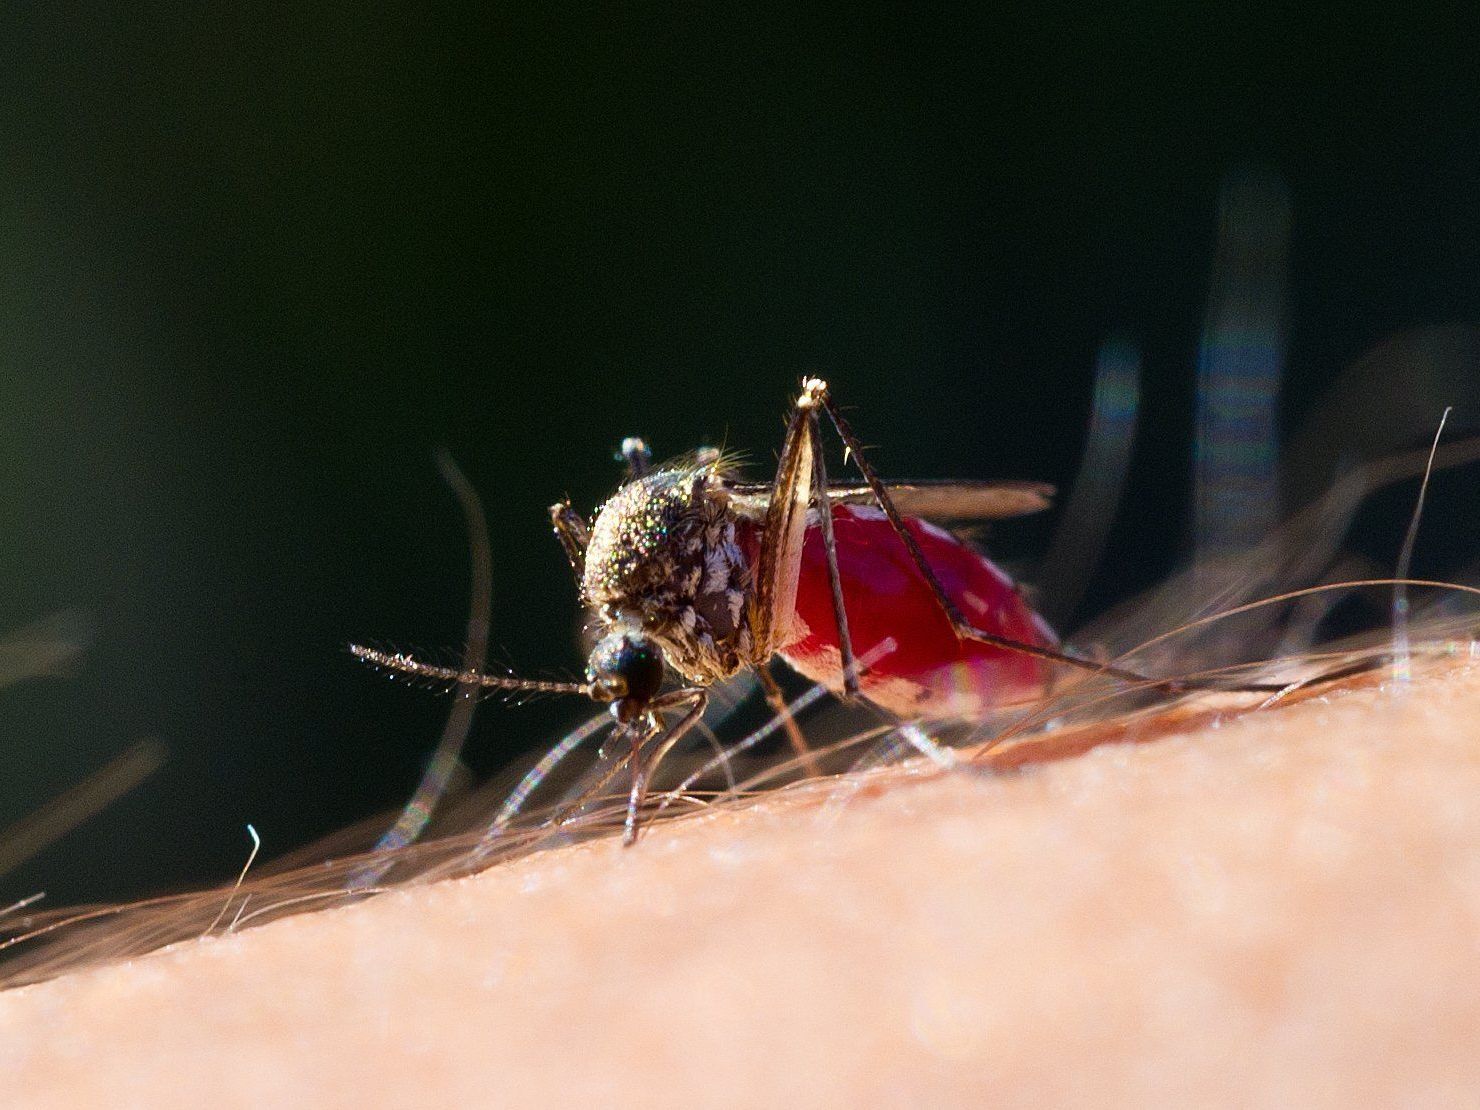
(640, 773)
(568, 812)
(830, 547)
(643, 769)
(801, 482)
(571, 528)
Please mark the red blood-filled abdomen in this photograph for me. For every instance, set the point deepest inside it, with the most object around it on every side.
(929, 672)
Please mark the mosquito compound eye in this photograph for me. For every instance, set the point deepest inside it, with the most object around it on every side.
(626, 666)
(642, 666)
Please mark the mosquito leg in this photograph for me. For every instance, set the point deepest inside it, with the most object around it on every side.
(588, 795)
(571, 531)
(777, 701)
(640, 771)
(721, 757)
(800, 475)
(818, 392)
(643, 769)
(830, 546)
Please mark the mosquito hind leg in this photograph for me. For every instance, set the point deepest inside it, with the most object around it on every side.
(815, 392)
(799, 486)
(830, 547)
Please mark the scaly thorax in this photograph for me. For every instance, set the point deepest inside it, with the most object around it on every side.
(664, 555)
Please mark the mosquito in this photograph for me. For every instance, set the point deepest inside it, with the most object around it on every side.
(689, 570)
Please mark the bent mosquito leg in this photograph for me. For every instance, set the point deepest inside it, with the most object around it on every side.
(800, 483)
(815, 394)
(592, 792)
(818, 392)
(777, 701)
(830, 546)
(643, 769)
(573, 534)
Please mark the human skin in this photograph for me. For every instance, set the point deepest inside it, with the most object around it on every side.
(1271, 909)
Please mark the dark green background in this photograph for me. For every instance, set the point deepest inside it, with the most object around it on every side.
(258, 260)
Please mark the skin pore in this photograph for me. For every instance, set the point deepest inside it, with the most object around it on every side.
(1269, 909)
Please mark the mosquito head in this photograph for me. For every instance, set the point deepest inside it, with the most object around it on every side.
(626, 669)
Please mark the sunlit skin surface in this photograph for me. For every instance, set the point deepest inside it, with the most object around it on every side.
(1278, 910)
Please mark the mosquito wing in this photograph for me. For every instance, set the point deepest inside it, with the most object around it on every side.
(933, 500)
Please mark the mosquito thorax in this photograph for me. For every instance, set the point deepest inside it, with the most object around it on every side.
(664, 556)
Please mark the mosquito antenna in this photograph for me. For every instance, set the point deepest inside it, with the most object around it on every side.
(1402, 656)
(401, 663)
